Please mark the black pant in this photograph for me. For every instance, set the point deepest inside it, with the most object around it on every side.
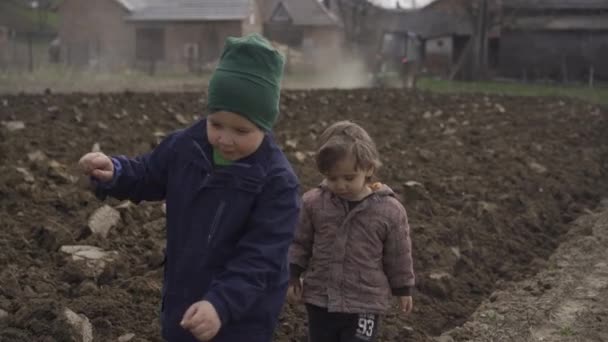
(324, 326)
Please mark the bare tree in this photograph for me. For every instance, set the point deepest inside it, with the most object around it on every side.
(483, 16)
(352, 13)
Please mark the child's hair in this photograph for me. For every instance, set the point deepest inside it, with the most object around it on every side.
(347, 139)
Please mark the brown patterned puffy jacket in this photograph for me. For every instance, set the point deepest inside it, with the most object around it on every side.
(353, 259)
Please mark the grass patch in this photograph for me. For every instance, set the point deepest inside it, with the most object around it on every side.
(566, 331)
(598, 95)
(64, 79)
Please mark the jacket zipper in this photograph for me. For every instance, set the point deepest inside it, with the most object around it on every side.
(216, 221)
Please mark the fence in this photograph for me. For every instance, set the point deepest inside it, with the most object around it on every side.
(26, 51)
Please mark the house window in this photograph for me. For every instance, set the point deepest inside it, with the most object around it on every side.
(150, 44)
(191, 51)
(252, 19)
(210, 45)
(3, 34)
(280, 14)
(394, 44)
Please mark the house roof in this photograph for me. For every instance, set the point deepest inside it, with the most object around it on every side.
(132, 5)
(425, 23)
(187, 10)
(437, 24)
(438, 3)
(562, 23)
(533, 4)
(305, 13)
(446, 17)
(557, 4)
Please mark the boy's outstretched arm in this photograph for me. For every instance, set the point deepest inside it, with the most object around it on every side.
(260, 260)
(142, 178)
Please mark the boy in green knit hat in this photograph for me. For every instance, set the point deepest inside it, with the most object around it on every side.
(232, 203)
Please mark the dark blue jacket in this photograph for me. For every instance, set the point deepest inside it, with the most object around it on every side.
(228, 230)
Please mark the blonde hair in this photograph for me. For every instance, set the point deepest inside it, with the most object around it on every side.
(347, 139)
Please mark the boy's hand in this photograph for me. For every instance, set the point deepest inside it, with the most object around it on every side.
(202, 321)
(407, 304)
(98, 166)
(294, 291)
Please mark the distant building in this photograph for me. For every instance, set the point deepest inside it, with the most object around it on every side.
(558, 39)
(306, 25)
(175, 34)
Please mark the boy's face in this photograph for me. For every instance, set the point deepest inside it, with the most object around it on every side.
(232, 135)
(344, 180)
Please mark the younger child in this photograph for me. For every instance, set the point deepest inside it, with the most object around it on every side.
(352, 244)
(232, 204)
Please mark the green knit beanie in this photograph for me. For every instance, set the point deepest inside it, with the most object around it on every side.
(247, 80)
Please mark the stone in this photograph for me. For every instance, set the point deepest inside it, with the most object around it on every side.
(58, 172)
(83, 329)
(96, 147)
(293, 143)
(90, 261)
(538, 168)
(13, 126)
(181, 119)
(300, 156)
(126, 337)
(444, 338)
(37, 156)
(27, 175)
(104, 219)
(426, 155)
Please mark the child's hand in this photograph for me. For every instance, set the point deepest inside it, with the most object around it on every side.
(294, 291)
(98, 166)
(202, 321)
(407, 304)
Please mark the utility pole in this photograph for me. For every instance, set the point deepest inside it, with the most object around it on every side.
(35, 6)
(481, 41)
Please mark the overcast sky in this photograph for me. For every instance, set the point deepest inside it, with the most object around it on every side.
(403, 3)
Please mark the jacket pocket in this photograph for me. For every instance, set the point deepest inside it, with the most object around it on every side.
(215, 223)
(372, 279)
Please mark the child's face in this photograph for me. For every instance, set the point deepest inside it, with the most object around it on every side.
(344, 180)
(232, 135)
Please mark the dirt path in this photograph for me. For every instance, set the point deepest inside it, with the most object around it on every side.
(568, 301)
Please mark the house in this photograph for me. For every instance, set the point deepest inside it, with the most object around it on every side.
(365, 26)
(306, 25)
(556, 39)
(444, 33)
(450, 33)
(175, 35)
(444, 27)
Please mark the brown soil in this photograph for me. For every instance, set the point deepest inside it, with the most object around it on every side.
(568, 301)
(490, 184)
